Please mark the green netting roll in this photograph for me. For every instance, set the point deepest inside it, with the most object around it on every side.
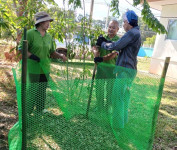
(122, 111)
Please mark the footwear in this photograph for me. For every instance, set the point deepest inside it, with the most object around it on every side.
(45, 111)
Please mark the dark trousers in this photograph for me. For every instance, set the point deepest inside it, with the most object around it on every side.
(100, 88)
(104, 79)
(36, 93)
(121, 100)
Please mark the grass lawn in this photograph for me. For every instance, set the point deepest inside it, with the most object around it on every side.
(166, 129)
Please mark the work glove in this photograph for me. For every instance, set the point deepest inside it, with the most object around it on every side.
(98, 59)
(100, 40)
(35, 58)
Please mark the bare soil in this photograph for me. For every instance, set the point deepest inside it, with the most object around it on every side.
(8, 109)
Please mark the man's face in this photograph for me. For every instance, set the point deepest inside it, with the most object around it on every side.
(126, 26)
(45, 25)
(112, 29)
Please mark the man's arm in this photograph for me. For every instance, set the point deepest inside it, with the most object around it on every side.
(126, 39)
(110, 56)
(106, 57)
(96, 52)
(56, 55)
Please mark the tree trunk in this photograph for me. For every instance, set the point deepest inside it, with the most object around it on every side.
(20, 12)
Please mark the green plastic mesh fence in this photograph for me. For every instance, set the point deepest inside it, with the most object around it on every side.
(66, 109)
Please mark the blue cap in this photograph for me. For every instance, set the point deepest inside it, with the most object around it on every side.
(131, 15)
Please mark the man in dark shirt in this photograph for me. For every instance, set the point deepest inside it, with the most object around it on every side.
(128, 47)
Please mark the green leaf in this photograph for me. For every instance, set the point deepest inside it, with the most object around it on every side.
(151, 21)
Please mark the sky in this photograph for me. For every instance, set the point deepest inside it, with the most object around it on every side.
(100, 9)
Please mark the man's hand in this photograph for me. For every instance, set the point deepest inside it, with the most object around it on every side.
(110, 56)
(96, 52)
(98, 59)
(34, 57)
(56, 55)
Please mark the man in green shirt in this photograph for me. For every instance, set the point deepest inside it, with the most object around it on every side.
(106, 63)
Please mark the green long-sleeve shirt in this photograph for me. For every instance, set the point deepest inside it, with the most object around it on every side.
(41, 47)
(105, 69)
(38, 45)
(104, 52)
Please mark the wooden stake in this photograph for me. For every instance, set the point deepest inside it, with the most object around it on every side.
(159, 96)
(23, 89)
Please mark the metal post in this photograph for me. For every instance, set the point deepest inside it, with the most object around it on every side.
(23, 89)
(96, 54)
(159, 96)
(91, 89)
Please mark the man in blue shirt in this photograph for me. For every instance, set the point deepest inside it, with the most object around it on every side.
(127, 46)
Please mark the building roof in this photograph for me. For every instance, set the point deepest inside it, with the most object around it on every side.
(157, 4)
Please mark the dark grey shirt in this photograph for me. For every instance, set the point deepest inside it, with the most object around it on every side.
(128, 46)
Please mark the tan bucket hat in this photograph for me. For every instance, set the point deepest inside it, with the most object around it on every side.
(41, 17)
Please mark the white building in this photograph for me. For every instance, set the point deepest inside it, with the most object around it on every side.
(165, 44)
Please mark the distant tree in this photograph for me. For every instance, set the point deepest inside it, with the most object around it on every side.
(100, 23)
(3, 20)
(150, 41)
(79, 18)
(108, 20)
(64, 23)
(145, 30)
(21, 13)
(147, 15)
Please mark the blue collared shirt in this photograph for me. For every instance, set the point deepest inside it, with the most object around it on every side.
(128, 46)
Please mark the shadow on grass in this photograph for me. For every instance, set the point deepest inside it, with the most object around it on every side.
(55, 132)
(166, 129)
(169, 110)
(166, 132)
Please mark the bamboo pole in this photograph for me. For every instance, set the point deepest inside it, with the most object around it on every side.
(159, 96)
(23, 89)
